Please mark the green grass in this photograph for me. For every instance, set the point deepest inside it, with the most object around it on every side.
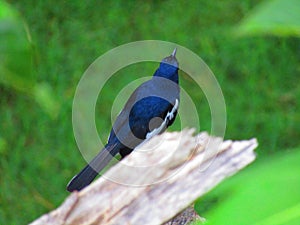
(259, 78)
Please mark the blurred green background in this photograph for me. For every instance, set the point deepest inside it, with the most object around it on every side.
(45, 47)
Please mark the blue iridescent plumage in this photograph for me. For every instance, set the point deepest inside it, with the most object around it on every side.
(149, 111)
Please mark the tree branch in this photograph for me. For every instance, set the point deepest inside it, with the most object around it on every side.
(157, 181)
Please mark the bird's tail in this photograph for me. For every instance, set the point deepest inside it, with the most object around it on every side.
(88, 173)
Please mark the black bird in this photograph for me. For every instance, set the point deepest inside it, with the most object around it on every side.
(149, 111)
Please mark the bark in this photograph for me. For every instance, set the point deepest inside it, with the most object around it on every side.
(161, 178)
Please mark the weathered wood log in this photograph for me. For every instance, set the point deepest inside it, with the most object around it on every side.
(157, 181)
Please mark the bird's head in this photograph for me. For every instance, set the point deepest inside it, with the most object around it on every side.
(168, 67)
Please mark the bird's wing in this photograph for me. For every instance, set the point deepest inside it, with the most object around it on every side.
(166, 122)
(121, 124)
(148, 101)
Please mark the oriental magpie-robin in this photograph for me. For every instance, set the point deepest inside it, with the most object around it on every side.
(149, 111)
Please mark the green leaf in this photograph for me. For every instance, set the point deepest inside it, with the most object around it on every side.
(276, 17)
(266, 193)
(16, 64)
(6, 11)
(15, 51)
(284, 217)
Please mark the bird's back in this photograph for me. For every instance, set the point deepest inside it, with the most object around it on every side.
(145, 110)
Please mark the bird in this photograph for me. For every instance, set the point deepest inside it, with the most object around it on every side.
(150, 109)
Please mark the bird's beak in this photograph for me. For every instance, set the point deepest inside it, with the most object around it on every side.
(174, 52)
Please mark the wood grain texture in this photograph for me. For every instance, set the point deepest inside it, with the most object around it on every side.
(158, 180)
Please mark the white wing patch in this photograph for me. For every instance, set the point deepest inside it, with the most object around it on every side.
(169, 116)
